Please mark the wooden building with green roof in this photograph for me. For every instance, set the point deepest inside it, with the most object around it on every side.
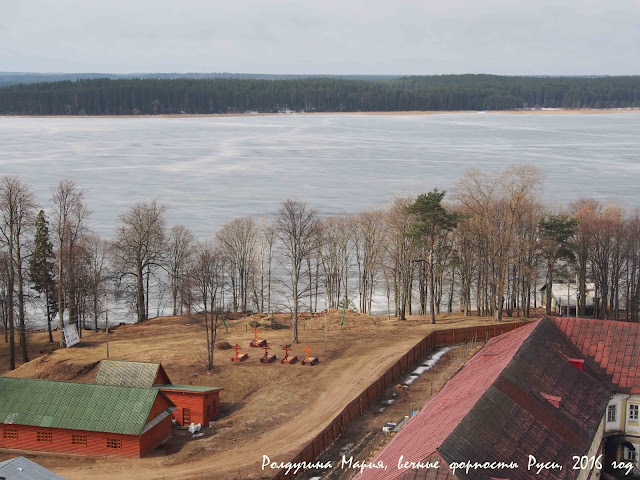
(194, 404)
(80, 418)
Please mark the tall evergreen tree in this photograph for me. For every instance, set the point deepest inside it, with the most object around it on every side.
(42, 267)
(557, 243)
(431, 220)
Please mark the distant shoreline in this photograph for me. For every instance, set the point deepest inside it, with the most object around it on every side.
(550, 111)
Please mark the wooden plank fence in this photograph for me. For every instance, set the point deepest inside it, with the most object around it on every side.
(356, 407)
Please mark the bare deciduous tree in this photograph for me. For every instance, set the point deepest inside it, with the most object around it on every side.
(238, 241)
(335, 257)
(585, 211)
(495, 201)
(17, 211)
(70, 215)
(369, 245)
(4, 293)
(266, 240)
(95, 260)
(181, 241)
(298, 229)
(206, 280)
(401, 255)
(139, 246)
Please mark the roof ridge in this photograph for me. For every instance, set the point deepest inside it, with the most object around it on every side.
(129, 361)
(69, 382)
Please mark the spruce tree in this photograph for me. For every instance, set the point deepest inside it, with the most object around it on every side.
(42, 267)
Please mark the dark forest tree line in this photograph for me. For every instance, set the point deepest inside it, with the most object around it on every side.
(105, 96)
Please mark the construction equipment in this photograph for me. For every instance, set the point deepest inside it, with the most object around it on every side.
(288, 360)
(255, 343)
(267, 358)
(309, 360)
(239, 356)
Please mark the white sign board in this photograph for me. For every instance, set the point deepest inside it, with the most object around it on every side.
(71, 335)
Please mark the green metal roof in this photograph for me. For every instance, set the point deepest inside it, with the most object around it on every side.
(77, 406)
(188, 388)
(127, 374)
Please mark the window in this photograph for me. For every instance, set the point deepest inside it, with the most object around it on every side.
(79, 440)
(611, 413)
(114, 443)
(11, 433)
(631, 455)
(44, 437)
(633, 413)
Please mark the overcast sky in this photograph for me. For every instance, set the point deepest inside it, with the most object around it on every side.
(563, 37)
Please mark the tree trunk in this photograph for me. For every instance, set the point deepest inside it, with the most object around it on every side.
(95, 312)
(46, 299)
(60, 303)
(10, 293)
(432, 303)
(146, 304)
(21, 315)
(549, 287)
(140, 288)
(294, 337)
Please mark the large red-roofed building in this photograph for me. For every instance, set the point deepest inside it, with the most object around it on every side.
(555, 389)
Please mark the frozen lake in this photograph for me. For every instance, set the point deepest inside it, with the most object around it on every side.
(210, 170)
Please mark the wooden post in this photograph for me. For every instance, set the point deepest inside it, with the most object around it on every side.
(326, 329)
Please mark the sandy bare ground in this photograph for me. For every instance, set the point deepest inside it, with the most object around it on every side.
(269, 410)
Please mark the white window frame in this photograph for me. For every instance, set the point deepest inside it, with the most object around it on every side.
(612, 413)
(633, 413)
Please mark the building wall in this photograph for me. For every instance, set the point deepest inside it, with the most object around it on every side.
(161, 404)
(592, 472)
(161, 377)
(61, 441)
(96, 442)
(212, 400)
(155, 436)
(198, 403)
(632, 427)
(623, 423)
(192, 401)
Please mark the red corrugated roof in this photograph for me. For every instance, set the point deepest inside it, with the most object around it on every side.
(612, 357)
(442, 473)
(421, 436)
(612, 346)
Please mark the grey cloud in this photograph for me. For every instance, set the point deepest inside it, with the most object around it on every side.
(330, 36)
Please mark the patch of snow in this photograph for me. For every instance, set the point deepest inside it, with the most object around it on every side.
(427, 365)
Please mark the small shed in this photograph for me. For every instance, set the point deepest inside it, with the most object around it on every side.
(194, 404)
(21, 468)
(562, 293)
(80, 418)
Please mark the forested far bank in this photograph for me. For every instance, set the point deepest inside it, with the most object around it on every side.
(106, 96)
(490, 246)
